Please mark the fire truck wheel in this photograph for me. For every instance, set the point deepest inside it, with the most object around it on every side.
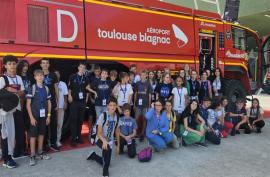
(234, 89)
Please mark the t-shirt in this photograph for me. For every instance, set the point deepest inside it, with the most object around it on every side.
(26, 82)
(164, 91)
(123, 92)
(39, 100)
(191, 119)
(194, 87)
(179, 102)
(103, 89)
(127, 125)
(204, 114)
(212, 116)
(143, 90)
(49, 80)
(77, 85)
(237, 111)
(14, 82)
(109, 126)
(63, 91)
(253, 113)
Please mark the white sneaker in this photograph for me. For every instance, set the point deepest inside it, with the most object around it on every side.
(58, 144)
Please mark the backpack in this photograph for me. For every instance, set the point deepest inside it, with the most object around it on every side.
(145, 155)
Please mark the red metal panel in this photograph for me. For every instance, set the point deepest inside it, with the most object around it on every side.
(7, 19)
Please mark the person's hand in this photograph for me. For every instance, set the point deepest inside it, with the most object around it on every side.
(241, 115)
(10, 89)
(155, 132)
(153, 105)
(127, 138)
(105, 145)
(95, 93)
(200, 133)
(48, 120)
(70, 98)
(65, 106)
(33, 121)
(237, 127)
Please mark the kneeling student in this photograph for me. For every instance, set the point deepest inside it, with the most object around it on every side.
(127, 126)
(107, 125)
(255, 116)
(39, 110)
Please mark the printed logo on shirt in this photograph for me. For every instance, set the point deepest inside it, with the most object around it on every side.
(164, 91)
(103, 87)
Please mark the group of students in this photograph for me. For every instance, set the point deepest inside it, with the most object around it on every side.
(184, 110)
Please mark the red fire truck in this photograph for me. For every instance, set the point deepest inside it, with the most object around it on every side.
(149, 33)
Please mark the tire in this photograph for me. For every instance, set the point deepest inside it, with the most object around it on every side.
(234, 89)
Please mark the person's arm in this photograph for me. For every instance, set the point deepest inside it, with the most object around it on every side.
(165, 127)
(29, 110)
(150, 114)
(117, 134)
(210, 89)
(56, 93)
(70, 99)
(48, 120)
(65, 102)
(244, 119)
(260, 117)
(87, 97)
(105, 143)
(91, 90)
(187, 128)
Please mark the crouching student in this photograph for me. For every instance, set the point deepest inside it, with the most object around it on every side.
(192, 125)
(238, 115)
(255, 116)
(107, 126)
(171, 115)
(39, 110)
(127, 126)
(157, 130)
(210, 134)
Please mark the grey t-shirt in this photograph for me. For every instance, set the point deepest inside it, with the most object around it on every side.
(109, 126)
(127, 125)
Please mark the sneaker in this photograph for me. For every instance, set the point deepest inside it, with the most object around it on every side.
(58, 144)
(73, 143)
(32, 161)
(79, 141)
(201, 144)
(259, 130)
(10, 164)
(54, 148)
(43, 156)
(105, 173)
(91, 155)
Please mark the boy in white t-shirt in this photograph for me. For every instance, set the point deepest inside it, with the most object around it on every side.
(123, 91)
(62, 106)
(180, 100)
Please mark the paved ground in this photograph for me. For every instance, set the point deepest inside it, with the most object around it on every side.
(239, 156)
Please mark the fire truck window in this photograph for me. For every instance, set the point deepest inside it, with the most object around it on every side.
(239, 38)
(221, 40)
(206, 46)
(266, 61)
(252, 51)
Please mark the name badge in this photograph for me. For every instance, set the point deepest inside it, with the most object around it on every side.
(104, 102)
(185, 133)
(140, 102)
(42, 112)
(129, 142)
(111, 144)
(80, 95)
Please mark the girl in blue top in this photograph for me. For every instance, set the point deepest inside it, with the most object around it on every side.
(157, 130)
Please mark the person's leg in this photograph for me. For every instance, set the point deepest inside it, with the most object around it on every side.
(168, 137)
(228, 126)
(11, 134)
(122, 144)
(60, 120)
(33, 146)
(4, 146)
(19, 134)
(175, 142)
(212, 137)
(190, 137)
(157, 142)
(132, 149)
(73, 121)
(246, 128)
(199, 128)
(259, 125)
(81, 113)
(53, 126)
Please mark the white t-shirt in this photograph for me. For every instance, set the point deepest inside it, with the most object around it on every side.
(179, 100)
(122, 93)
(63, 91)
(14, 82)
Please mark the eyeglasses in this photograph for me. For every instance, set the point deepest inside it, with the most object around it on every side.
(158, 105)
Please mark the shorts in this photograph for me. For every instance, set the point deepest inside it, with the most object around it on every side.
(39, 129)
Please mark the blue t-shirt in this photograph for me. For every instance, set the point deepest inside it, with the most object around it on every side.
(127, 125)
(164, 91)
(103, 89)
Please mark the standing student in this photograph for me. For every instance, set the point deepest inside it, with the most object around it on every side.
(218, 85)
(39, 110)
(205, 87)
(62, 106)
(142, 101)
(164, 89)
(171, 115)
(185, 80)
(180, 100)
(153, 82)
(194, 86)
(192, 125)
(238, 115)
(123, 91)
(157, 130)
(113, 78)
(12, 83)
(255, 116)
(107, 127)
(127, 126)
(50, 80)
(133, 69)
(77, 87)
(103, 89)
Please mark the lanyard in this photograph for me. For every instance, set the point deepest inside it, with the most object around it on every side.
(80, 81)
(189, 120)
(193, 83)
(103, 89)
(124, 90)
(180, 95)
(204, 86)
(42, 96)
(46, 80)
(15, 82)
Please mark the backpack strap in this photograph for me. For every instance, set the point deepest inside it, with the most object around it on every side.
(33, 90)
(6, 80)
(104, 119)
(117, 117)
